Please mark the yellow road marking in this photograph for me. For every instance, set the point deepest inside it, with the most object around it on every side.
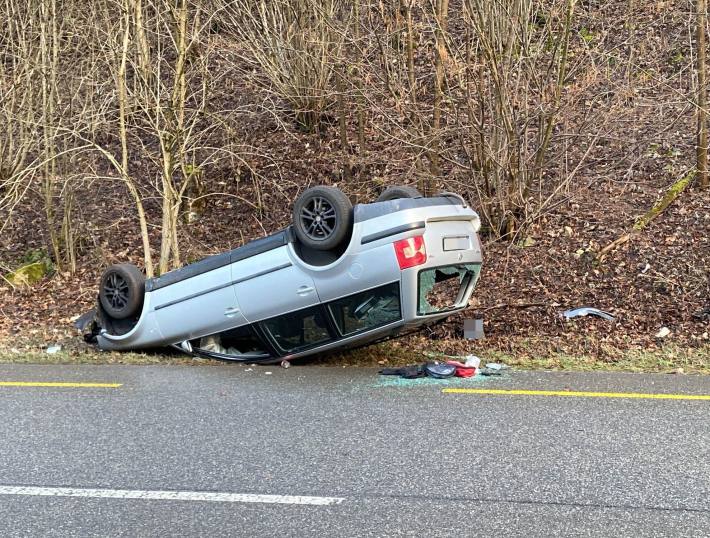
(60, 384)
(582, 394)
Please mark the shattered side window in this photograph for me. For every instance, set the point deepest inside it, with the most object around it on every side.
(367, 309)
(298, 330)
(444, 288)
(239, 342)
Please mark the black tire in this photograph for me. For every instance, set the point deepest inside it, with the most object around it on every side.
(322, 217)
(121, 291)
(398, 191)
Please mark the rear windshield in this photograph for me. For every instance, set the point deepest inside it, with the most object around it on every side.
(446, 288)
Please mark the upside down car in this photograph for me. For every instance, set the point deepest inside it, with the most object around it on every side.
(338, 277)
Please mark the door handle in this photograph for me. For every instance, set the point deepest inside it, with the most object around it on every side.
(304, 290)
(231, 312)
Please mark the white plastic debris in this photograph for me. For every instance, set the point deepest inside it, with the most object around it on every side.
(267, 373)
(496, 366)
(665, 331)
(587, 311)
(54, 349)
(473, 361)
(285, 364)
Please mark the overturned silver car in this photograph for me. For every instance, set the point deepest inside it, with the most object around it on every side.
(338, 277)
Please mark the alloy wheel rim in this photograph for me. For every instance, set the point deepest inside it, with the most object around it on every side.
(116, 291)
(318, 218)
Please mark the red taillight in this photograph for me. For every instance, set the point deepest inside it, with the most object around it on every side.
(410, 252)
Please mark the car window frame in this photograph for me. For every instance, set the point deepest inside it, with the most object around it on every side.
(343, 335)
(459, 304)
(329, 325)
(269, 350)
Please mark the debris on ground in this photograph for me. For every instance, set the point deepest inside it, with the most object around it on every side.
(665, 331)
(54, 349)
(472, 360)
(488, 372)
(462, 369)
(587, 311)
(439, 370)
(702, 315)
(411, 371)
(457, 366)
(285, 364)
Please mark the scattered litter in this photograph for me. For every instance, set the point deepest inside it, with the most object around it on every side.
(248, 370)
(473, 329)
(407, 372)
(445, 367)
(267, 373)
(462, 370)
(54, 349)
(285, 364)
(587, 311)
(401, 382)
(489, 372)
(440, 370)
(472, 360)
(702, 315)
(14, 350)
(665, 331)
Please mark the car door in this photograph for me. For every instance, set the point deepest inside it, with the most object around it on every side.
(269, 285)
(199, 305)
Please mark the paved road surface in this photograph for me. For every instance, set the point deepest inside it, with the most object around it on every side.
(312, 451)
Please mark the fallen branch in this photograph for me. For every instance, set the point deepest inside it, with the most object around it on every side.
(659, 207)
(520, 305)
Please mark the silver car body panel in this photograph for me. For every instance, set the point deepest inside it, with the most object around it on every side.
(246, 289)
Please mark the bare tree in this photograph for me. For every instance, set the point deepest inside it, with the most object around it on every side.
(296, 45)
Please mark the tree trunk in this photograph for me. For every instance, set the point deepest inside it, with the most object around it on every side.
(702, 149)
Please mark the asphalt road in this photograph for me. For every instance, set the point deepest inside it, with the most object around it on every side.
(376, 457)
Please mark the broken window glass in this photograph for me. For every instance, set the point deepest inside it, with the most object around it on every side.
(240, 341)
(298, 330)
(367, 310)
(446, 288)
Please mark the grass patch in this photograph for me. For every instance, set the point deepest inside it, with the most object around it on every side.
(667, 359)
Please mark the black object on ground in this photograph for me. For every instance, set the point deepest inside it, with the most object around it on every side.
(411, 371)
(431, 369)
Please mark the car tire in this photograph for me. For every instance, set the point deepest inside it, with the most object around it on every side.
(322, 217)
(398, 191)
(121, 290)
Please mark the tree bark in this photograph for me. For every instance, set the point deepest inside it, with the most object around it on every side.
(702, 148)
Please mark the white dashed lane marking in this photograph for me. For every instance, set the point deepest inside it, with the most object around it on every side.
(204, 496)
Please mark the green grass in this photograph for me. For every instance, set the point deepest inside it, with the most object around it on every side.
(668, 359)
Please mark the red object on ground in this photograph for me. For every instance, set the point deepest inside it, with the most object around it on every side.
(462, 370)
